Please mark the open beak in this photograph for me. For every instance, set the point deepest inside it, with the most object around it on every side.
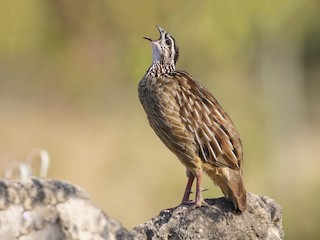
(147, 38)
(161, 31)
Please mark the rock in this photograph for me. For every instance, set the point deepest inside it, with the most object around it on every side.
(219, 220)
(52, 210)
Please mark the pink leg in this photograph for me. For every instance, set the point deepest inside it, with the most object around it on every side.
(188, 190)
(199, 199)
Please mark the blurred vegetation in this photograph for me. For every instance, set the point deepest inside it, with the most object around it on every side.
(68, 83)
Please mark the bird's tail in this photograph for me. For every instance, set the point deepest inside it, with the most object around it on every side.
(231, 184)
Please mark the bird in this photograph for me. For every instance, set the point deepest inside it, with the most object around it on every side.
(192, 124)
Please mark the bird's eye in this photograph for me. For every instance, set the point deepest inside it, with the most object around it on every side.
(168, 42)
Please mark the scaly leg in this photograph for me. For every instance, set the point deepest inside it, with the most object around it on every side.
(199, 200)
(187, 192)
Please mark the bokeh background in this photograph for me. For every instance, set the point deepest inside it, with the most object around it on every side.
(69, 72)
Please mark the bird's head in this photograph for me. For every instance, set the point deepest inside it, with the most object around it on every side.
(164, 50)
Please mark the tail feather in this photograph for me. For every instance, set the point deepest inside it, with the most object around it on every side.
(231, 184)
(236, 191)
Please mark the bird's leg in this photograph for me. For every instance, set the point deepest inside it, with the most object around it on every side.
(199, 200)
(187, 192)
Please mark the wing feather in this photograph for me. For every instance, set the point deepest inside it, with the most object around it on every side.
(211, 126)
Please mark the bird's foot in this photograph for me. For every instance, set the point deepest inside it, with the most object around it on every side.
(193, 204)
(186, 202)
(189, 204)
(201, 203)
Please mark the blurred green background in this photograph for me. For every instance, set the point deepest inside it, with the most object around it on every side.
(69, 72)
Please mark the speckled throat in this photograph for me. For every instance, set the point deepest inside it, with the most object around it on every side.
(157, 69)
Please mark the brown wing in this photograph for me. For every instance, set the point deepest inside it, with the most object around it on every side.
(217, 139)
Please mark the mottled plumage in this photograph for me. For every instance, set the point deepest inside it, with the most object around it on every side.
(192, 124)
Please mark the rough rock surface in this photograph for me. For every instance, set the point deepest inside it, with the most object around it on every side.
(52, 210)
(261, 220)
